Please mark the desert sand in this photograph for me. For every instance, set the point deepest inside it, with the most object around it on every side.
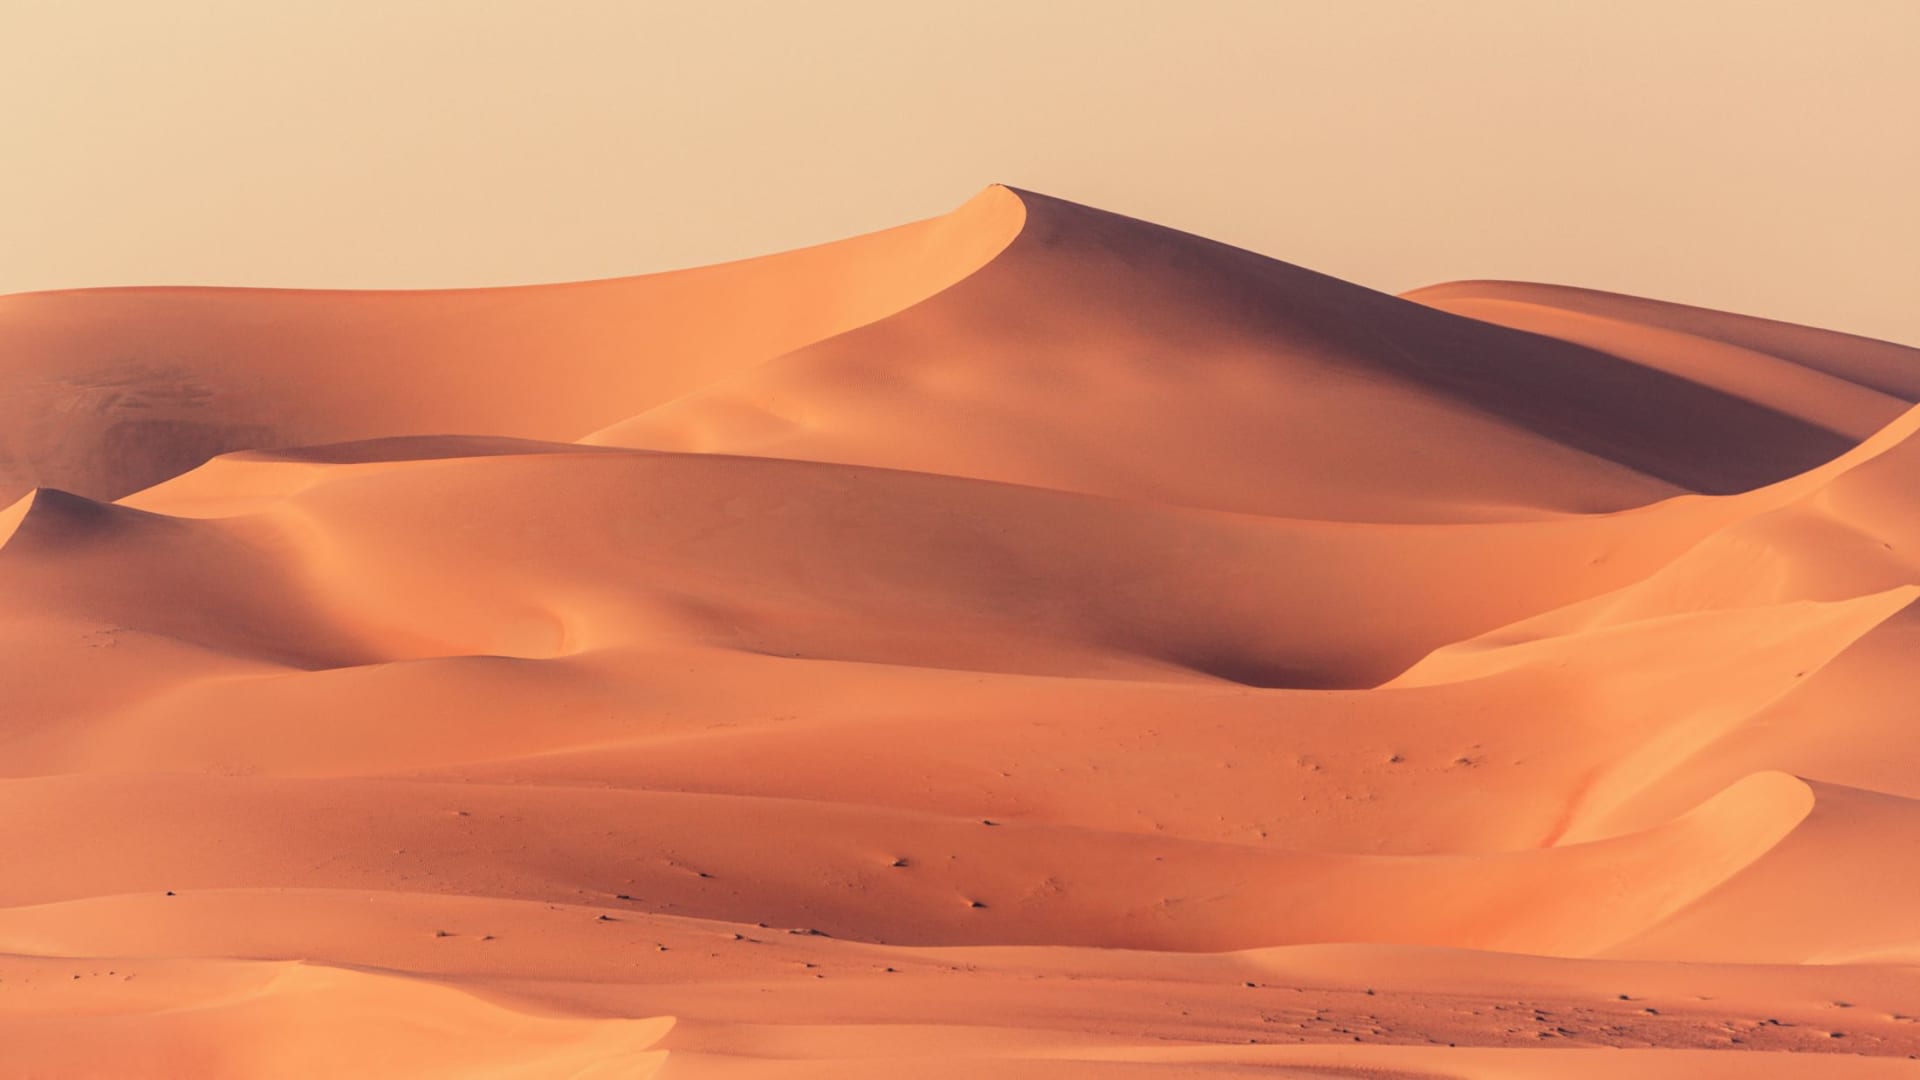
(1026, 643)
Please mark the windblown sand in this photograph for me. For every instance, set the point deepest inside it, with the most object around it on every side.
(1027, 643)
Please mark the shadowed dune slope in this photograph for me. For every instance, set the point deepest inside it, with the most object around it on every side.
(1105, 355)
(1879, 366)
(1030, 643)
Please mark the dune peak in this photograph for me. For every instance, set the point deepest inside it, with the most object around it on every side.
(1026, 642)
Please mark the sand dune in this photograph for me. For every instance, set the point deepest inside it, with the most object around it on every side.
(113, 390)
(1026, 643)
(213, 1017)
(1108, 356)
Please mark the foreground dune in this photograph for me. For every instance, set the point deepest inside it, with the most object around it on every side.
(1026, 643)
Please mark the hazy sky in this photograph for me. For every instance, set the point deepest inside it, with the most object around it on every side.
(1756, 156)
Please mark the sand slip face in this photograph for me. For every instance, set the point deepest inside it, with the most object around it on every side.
(1026, 643)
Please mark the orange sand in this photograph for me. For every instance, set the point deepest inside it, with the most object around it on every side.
(1026, 643)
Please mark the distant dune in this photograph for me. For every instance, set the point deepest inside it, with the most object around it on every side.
(1030, 642)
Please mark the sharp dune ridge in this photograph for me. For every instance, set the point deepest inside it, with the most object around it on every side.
(1029, 642)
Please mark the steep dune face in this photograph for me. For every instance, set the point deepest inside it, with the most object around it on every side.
(1029, 643)
(1102, 355)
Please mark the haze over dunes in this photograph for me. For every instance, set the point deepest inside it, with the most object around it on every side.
(1029, 642)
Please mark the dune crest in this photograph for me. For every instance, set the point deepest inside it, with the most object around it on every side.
(1109, 356)
(1029, 642)
(114, 390)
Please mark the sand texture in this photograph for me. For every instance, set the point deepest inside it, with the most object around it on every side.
(1026, 643)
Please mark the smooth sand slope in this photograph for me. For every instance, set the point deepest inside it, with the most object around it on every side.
(1028, 643)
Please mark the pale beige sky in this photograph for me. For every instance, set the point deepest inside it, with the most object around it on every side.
(1758, 156)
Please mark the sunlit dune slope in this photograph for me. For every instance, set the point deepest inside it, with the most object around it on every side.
(1029, 643)
(228, 1018)
(110, 390)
